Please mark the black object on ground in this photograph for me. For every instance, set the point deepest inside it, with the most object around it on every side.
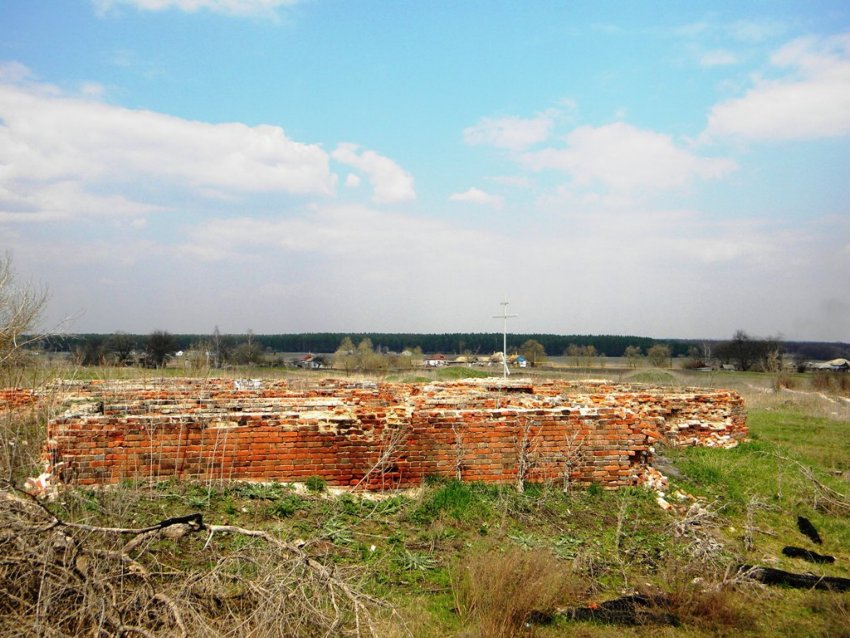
(771, 576)
(805, 554)
(636, 609)
(806, 527)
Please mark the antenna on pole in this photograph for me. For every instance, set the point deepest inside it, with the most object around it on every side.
(505, 316)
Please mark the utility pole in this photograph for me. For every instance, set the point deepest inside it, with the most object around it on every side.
(505, 316)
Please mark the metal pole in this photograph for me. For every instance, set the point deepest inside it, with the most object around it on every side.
(505, 316)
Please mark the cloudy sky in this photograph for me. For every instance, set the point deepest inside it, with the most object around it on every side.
(665, 169)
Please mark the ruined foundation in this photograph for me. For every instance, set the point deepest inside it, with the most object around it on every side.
(379, 435)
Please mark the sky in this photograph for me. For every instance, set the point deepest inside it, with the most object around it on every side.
(662, 169)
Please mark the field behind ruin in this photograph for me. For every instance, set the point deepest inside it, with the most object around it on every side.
(450, 559)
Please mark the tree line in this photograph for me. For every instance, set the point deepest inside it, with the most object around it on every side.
(743, 351)
(21, 306)
(327, 342)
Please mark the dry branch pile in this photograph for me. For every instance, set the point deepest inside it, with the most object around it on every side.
(65, 579)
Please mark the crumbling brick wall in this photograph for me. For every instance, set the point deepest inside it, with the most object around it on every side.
(379, 435)
(16, 398)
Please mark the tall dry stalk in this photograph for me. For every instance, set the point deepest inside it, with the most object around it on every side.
(526, 441)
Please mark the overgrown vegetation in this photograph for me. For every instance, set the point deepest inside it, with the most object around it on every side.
(454, 559)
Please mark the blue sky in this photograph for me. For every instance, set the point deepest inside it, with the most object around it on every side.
(654, 168)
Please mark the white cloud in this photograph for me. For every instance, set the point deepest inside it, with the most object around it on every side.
(718, 57)
(230, 7)
(812, 101)
(626, 158)
(340, 231)
(92, 89)
(64, 200)
(477, 196)
(512, 133)
(390, 182)
(352, 180)
(731, 259)
(63, 156)
(513, 181)
(12, 71)
(691, 30)
(753, 32)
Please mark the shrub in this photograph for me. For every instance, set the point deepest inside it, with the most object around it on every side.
(828, 381)
(821, 381)
(497, 593)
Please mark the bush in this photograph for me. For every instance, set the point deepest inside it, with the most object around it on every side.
(828, 381)
(497, 593)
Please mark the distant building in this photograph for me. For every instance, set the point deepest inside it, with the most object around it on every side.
(836, 365)
(311, 361)
(434, 360)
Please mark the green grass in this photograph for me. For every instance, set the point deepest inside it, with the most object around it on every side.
(659, 377)
(454, 499)
(453, 373)
(316, 484)
(766, 483)
(411, 550)
(816, 440)
(607, 542)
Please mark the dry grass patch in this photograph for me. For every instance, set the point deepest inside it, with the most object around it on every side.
(833, 610)
(60, 579)
(496, 593)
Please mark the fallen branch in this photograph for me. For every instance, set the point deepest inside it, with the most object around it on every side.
(805, 554)
(771, 576)
(636, 609)
(807, 529)
(51, 567)
(835, 501)
(358, 600)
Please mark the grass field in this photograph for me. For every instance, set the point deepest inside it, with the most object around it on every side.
(466, 560)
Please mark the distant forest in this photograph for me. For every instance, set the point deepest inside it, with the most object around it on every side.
(445, 343)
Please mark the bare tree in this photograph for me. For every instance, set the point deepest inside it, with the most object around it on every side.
(659, 355)
(344, 356)
(249, 352)
(534, 352)
(582, 356)
(749, 353)
(633, 355)
(20, 309)
(119, 348)
(160, 346)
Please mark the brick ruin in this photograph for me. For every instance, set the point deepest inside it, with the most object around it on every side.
(377, 435)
